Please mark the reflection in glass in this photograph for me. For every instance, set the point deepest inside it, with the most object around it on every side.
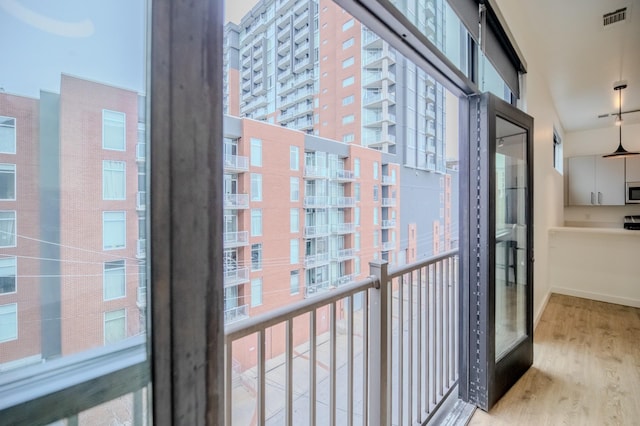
(511, 235)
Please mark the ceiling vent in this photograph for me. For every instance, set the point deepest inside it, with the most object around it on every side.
(613, 17)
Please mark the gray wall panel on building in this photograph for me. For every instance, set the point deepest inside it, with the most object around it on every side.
(232, 127)
(315, 143)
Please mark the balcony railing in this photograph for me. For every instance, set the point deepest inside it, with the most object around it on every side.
(141, 248)
(236, 239)
(344, 254)
(236, 201)
(345, 175)
(388, 180)
(236, 314)
(315, 172)
(388, 223)
(316, 259)
(316, 201)
(382, 351)
(388, 202)
(141, 300)
(343, 201)
(343, 228)
(388, 245)
(316, 231)
(236, 163)
(141, 151)
(141, 200)
(343, 280)
(236, 277)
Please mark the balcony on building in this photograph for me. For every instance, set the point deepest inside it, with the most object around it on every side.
(317, 259)
(236, 239)
(431, 93)
(388, 245)
(343, 228)
(311, 201)
(314, 231)
(259, 89)
(236, 313)
(246, 84)
(236, 276)
(302, 64)
(341, 255)
(388, 180)
(388, 202)
(285, 17)
(430, 111)
(236, 201)
(300, 34)
(246, 61)
(344, 175)
(285, 33)
(236, 163)
(370, 39)
(141, 201)
(141, 248)
(141, 152)
(316, 172)
(372, 78)
(378, 139)
(316, 288)
(388, 223)
(141, 297)
(301, 49)
(344, 280)
(343, 201)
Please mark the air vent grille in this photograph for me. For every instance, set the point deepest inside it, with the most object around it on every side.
(613, 17)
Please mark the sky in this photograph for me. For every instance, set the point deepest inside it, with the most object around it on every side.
(234, 10)
(102, 41)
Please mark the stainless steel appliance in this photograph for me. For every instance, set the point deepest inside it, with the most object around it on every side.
(632, 222)
(632, 193)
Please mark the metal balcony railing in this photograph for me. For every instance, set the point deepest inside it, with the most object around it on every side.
(345, 175)
(141, 151)
(141, 300)
(382, 351)
(236, 314)
(388, 245)
(316, 231)
(388, 202)
(316, 259)
(343, 280)
(388, 223)
(236, 201)
(388, 180)
(343, 254)
(236, 276)
(236, 163)
(343, 201)
(343, 228)
(141, 248)
(141, 200)
(236, 239)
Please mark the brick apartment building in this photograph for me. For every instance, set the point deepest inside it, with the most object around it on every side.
(72, 210)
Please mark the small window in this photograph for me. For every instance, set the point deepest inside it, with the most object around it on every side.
(7, 228)
(114, 280)
(294, 186)
(348, 62)
(375, 215)
(294, 218)
(256, 257)
(347, 43)
(8, 322)
(294, 158)
(256, 187)
(294, 251)
(347, 100)
(356, 242)
(375, 192)
(113, 130)
(115, 326)
(376, 238)
(113, 230)
(7, 135)
(256, 292)
(356, 167)
(348, 119)
(7, 181)
(357, 216)
(256, 152)
(294, 282)
(349, 137)
(356, 190)
(347, 25)
(356, 266)
(113, 180)
(256, 222)
(8, 269)
(348, 81)
(375, 170)
(557, 152)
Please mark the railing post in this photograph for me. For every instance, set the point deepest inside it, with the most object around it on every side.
(379, 347)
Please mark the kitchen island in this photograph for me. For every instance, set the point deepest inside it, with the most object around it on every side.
(595, 263)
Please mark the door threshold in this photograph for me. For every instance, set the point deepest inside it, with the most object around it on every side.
(453, 412)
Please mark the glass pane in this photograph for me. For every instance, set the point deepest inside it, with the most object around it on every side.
(72, 136)
(511, 235)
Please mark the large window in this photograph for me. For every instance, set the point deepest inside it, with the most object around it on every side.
(8, 322)
(256, 292)
(114, 280)
(7, 135)
(294, 158)
(294, 189)
(114, 230)
(256, 187)
(113, 130)
(7, 228)
(256, 152)
(256, 257)
(115, 326)
(8, 269)
(7, 181)
(294, 220)
(256, 222)
(294, 251)
(294, 282)
(113, 180)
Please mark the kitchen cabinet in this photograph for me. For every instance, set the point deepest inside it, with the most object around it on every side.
(596, 181)
(633, 169)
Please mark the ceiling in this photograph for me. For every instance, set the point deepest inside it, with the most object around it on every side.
(585, 58)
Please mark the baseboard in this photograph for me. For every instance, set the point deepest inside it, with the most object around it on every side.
(635, 303)
(536, 320)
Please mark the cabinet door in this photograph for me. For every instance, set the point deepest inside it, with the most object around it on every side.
(609, 181)
(633, 169)
(582, 181)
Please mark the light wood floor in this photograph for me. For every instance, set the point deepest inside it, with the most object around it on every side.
(586, 369)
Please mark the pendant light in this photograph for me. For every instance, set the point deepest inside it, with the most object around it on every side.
(620, 152)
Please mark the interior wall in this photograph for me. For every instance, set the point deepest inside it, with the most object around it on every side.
(596, 142)
(548, 182)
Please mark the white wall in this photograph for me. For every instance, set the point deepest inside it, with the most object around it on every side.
(548, 183)
(596, 142)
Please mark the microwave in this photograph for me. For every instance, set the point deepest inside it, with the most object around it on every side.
(633, 193)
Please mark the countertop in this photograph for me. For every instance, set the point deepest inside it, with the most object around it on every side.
(601, 231)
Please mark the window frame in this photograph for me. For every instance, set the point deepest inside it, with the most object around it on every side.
(15, 185)
(15, 228)
(124, 130)
(256, 214)
(256, 192)
(15, 275)
(124, 239)
(255, 154)
(104, 280)
(15, 133)
(124, 180)
(257, 248)
(294, 212)
(15, 313)
(295, 273)
(254, 282)
(294, 158)
(104, 325)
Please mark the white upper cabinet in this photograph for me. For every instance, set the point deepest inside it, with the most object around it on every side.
(633, 169)
(596, 181)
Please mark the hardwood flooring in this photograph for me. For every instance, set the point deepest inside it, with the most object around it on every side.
(586, 369)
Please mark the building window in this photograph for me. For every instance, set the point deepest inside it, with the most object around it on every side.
(8, 322)
(294, 220)
(348, 81)
(7, 181)
(348, 100)
(347, 43)
(256, 257)
(356, 242)
(375, 192)
(347, 25)
(7, 228)
(349, 137)
(356, 266)
(113, 130)
(256, 222)
(356, 190)
(557, 152)
(375, 170)
(256, 152)
(294, 187)
(113, 180)
(114, 280)
(294, 158)
(256, 292)
(115, 326)
(348, 119)
(376, 238)
(113, 230)
(256, 187)
(294, 282)
(375, 215)
(357, 216)
(356, 167)
(294, 251)
(7, 135)
(348, 62)
(8, 269)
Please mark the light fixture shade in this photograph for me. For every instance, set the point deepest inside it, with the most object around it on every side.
(620, 152)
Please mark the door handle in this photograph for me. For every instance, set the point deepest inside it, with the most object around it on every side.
(592, 198)
(599, 197)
